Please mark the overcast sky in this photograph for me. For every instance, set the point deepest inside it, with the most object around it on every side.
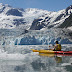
(50, 5)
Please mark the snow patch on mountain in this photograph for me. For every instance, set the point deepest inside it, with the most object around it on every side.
(70, 28)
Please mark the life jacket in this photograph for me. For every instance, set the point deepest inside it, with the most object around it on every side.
(59, 47)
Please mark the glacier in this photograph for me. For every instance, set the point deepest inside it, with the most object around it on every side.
(34, 37)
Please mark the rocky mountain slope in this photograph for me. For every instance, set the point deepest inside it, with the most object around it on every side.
(67, 23)
(60, 19)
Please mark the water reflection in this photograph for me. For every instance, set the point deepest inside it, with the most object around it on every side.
(20, 68)
(57, 58)
(38, 65)
(68, 68)
(41, 64)
(22, 59)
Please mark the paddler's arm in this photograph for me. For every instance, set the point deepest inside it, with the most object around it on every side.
(56, 46)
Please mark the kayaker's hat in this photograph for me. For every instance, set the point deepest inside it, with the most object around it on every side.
(56, 42)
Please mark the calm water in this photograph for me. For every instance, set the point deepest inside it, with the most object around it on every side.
(22, 59)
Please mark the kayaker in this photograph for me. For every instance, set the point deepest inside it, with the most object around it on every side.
(57, 47)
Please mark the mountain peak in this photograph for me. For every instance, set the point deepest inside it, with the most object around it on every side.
(69, 10)
(4, 5)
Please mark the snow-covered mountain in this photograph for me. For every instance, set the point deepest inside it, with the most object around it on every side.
(31, 18)
(54, 19)
(14, 17)
(67, 23)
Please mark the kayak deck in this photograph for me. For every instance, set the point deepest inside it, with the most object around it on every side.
(52, 52)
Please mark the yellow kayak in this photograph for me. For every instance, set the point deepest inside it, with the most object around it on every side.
(52, 52)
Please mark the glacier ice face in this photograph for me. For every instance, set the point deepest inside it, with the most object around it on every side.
(36, 37)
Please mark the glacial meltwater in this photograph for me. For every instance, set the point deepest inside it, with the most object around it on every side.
(20, 58)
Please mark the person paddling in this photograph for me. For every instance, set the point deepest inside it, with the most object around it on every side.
(57, 47)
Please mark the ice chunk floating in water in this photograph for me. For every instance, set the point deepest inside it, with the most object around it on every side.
(15, 53)
(6, 56)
